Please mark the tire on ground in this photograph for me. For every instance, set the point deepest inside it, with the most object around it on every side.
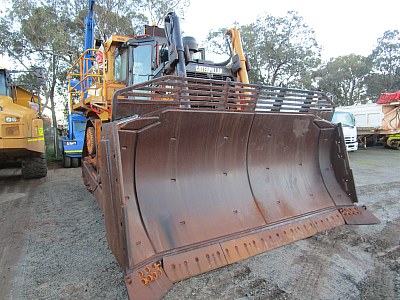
(34, 166)
(66, 161)
(75, 162)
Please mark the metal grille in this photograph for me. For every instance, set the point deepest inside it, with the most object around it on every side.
(199, 93)
(350, 140)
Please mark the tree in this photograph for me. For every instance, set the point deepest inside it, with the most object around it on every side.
(282, 50)
(157, 9)
(121, 17)
(345, 78)
(386, 65)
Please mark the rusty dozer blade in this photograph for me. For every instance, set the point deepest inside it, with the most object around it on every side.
(197, 174)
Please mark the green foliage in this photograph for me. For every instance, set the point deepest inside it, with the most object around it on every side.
(345, 78)
(355, 79)
(32, 30)
(121, 17)
(215, 41)
(386, 65)
(282, 50)
(157, 10)
(39, 35)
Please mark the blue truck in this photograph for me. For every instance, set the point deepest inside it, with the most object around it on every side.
(72, 143)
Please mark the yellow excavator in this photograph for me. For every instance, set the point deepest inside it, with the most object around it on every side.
(194, 167)
(21, 128)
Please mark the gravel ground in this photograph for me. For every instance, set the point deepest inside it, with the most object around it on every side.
(53, 246)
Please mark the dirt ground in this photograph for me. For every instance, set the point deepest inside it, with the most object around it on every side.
(53, 246)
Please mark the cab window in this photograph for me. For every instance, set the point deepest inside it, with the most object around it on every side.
(79, 126)
(121, 67)
(142, 63)
(345, 118)
(3, 87)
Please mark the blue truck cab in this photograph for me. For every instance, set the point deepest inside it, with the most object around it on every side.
(72, 144)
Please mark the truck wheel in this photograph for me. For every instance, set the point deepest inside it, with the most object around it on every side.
(66, 161)
(395, 145)
(75, 162)
(34, 166)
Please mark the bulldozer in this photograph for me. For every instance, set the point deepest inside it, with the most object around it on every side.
(194, 167)
(21, 128)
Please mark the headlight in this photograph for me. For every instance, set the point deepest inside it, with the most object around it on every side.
(70, 143)
(11, 119)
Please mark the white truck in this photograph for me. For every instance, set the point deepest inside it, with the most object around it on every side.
(346, 119)
(368, 118)
(377, 122)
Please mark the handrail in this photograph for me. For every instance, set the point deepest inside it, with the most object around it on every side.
(90, 74)
(198, 93)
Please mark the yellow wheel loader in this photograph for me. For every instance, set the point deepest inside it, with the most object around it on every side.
(194, 167)
(21, 128)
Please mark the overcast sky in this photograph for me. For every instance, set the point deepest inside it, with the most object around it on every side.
(341, 26)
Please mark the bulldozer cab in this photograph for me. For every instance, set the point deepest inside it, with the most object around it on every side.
(147, 57)
(135, 60)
